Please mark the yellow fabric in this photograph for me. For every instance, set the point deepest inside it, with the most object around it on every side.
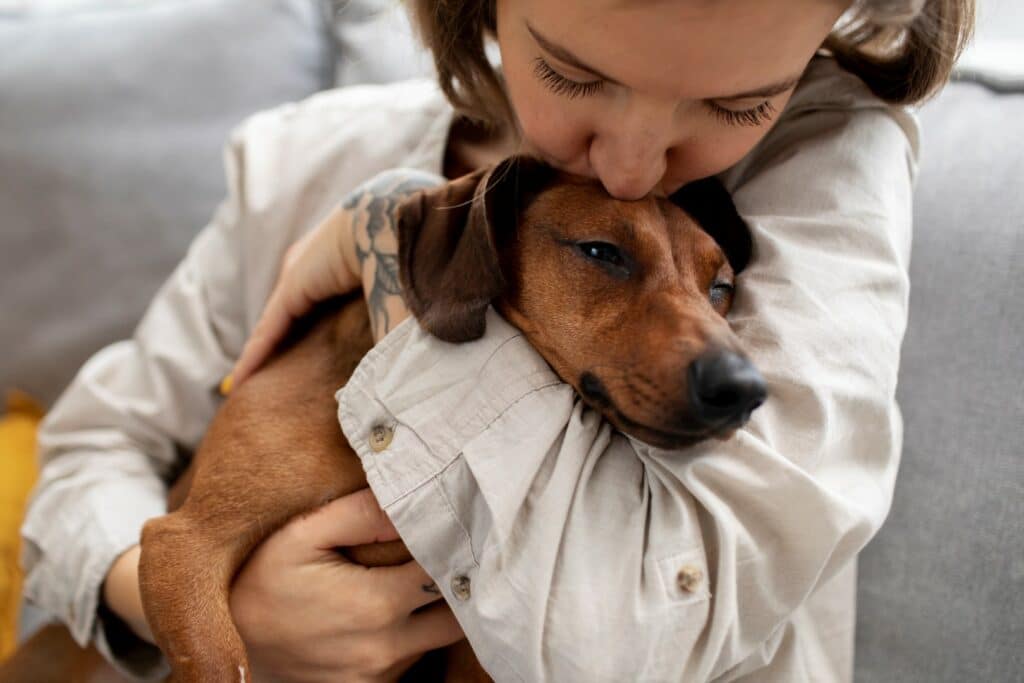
(18, 470)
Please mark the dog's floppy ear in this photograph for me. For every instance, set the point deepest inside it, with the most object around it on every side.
(709, 203)
(449, 239)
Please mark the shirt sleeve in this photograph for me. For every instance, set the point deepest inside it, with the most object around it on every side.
(130, 419)
(570, 552)
(117, 433)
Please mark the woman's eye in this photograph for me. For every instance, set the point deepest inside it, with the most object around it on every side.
(720, 292)
(757, 116)
(602, 251)
(561, 85)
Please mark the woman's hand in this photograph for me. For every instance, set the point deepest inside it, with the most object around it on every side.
(307, 615)
(313, 269)
(356, 245)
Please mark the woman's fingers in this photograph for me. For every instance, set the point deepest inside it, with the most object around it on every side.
(409, 585)
(431, 629)
(353, 519)
(428, 630)
(312, 270)
(321, 264)
(357, 519)
(272, 326)
(289, 301)
(395, 672)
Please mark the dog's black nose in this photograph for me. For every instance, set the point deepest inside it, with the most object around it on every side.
(725, 387)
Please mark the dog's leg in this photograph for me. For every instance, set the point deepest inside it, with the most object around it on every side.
(273, 451)
(193, 623)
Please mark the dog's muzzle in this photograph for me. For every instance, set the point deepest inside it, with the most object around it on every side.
(725, 388)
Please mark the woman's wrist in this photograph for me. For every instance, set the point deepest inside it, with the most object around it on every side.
(122, 596)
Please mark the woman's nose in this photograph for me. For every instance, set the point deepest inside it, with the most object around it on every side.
(630, 158)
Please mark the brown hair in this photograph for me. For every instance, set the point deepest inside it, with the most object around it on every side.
(904, 50)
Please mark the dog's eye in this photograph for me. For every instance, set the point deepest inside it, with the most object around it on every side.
(720, 293)
(602, 251)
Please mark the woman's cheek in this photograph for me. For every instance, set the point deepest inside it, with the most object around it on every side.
(551, 124)
(558, 137)
(708, 155)
(723, 145)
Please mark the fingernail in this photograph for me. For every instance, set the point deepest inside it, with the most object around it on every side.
(226, 384)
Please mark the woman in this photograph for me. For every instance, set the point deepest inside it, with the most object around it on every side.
(568, 552)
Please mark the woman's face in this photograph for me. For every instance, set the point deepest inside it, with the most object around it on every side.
(648, 95)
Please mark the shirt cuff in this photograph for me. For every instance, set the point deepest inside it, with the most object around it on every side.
(410, 378)
(66, 579)
(126, 652)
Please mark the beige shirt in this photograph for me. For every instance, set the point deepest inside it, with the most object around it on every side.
(568, 551)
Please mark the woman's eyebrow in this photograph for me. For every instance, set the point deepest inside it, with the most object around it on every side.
(563, 55)
(766, 91)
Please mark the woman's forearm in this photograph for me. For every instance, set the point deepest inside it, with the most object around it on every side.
(122, 595)
(369, 241)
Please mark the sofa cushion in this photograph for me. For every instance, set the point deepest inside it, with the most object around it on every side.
(941, 589)
(113, 117)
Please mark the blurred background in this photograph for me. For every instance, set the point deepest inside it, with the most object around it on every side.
(113, 114)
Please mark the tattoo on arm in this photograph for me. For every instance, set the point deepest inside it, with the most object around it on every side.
(431, 588)
(374, 205)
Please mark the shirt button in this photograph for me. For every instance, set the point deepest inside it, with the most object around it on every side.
(689, 577)
(460, 586)
(380, 437)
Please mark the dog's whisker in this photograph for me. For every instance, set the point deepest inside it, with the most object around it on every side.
(645, 395)
(638, 397)
(649, 383)
(630, 379)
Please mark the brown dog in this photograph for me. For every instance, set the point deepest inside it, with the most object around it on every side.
(625, 300)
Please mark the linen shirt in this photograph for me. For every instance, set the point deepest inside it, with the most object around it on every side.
(568, 551)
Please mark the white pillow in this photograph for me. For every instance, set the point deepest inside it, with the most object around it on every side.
(376, 43)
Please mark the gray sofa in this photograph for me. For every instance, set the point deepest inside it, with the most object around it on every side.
(941, 588)
(112, 116)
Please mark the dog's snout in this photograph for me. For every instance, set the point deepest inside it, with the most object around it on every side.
(725, 387)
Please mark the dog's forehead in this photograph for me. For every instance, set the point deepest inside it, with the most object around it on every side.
(576, 206)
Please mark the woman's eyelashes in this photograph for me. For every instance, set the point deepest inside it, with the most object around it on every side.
(560, 85)
(757, 116)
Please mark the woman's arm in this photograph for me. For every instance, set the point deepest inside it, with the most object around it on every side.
(571, 553)
(115, 437)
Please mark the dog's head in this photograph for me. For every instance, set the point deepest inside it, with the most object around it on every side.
(625, 300)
